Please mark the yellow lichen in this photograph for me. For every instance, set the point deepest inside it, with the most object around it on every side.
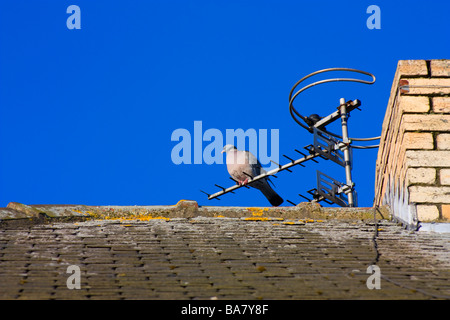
(261, 268)
(257, 212)
(256, 219)
(182, 200)
(140, 217)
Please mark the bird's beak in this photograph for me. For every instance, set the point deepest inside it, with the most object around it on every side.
(222, 151)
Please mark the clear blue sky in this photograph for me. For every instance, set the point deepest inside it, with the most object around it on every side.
(86, 116)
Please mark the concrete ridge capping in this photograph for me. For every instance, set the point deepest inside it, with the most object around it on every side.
(183, 209)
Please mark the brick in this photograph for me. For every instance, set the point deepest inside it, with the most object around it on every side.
(441, 104)
(429, 86)
(427, 213)
(424, 194)
(426, 122)
(446, 211)
(443, 141)
(412, 67)
(418, 140)
(432, 158)
(421, 175)
(445, 176)
(440, 68)
(415, 140)
(417, 104)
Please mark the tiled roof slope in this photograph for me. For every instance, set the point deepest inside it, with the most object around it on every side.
(190, 252)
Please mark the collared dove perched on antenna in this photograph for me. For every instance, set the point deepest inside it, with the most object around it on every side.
(239, 162)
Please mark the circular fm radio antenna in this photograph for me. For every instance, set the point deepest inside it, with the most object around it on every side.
(309, 121)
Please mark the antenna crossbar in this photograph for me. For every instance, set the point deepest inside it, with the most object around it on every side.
(267, 174)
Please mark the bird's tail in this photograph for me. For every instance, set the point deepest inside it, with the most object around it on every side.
(273, 197)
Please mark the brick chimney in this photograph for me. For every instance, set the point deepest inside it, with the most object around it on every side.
(413, 164)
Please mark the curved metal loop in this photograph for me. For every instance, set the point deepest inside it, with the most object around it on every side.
(295, 113)
(329, 80)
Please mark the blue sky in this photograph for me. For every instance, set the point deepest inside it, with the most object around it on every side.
(86, 116)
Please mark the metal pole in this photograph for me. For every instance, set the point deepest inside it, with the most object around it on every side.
(346, 141)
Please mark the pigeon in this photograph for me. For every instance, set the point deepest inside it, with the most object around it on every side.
(239, 162)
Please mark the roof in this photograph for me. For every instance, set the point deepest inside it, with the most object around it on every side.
(190, 252)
